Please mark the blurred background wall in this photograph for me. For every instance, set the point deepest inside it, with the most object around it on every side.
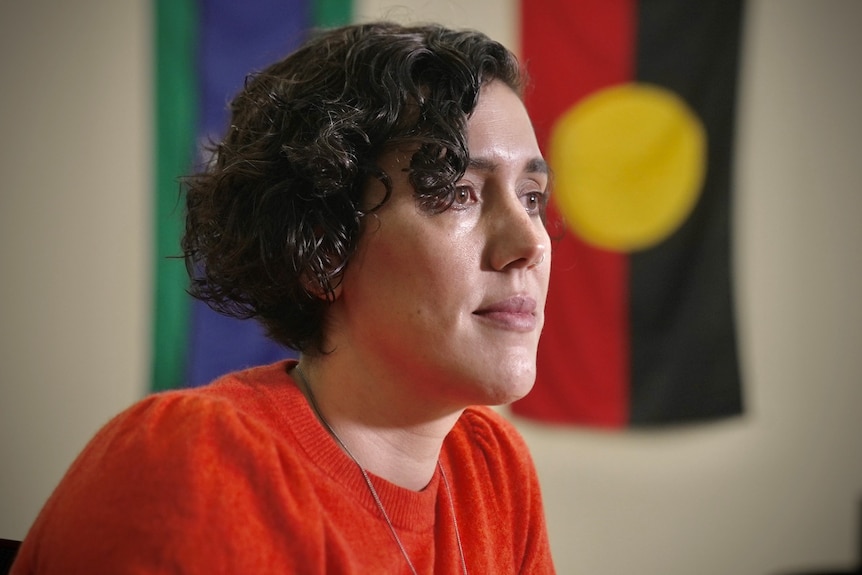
(777, 491)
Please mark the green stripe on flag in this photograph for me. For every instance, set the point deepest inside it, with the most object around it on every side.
(332, 13)
(175, 128)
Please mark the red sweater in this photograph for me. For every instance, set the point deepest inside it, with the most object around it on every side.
(239, 477)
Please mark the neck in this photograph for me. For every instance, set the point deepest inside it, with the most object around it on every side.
(377, 424)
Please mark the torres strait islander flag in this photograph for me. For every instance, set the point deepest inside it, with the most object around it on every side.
(633, 103)
(204, 50)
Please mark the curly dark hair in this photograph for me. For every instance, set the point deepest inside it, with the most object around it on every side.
(274, 218)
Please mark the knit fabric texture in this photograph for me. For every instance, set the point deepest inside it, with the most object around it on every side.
(240, 477)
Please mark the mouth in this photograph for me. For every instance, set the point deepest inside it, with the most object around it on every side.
(516, 313)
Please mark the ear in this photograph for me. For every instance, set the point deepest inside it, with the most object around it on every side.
(315, 288)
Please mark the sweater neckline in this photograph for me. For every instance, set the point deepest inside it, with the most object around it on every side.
(407, 509)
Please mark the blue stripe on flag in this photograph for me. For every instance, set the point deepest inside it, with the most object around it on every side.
(236, 38)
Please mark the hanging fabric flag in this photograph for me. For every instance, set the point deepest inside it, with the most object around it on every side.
(634, 103)
(205, 49)
(175, 97)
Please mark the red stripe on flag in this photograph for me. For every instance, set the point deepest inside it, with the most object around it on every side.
(572, 49)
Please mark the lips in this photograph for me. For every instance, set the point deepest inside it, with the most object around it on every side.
(516, 313)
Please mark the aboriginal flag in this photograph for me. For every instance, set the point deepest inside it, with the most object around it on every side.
(634, 105)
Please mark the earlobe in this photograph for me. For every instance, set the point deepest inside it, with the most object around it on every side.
(336, 290)
(327, 289)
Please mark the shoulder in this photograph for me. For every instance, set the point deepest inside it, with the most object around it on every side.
(233, 409)
(487, 434)
(181, 423)
(179, 466)
(181, 441)
(196, 430)
(489, 427)
(243, 405)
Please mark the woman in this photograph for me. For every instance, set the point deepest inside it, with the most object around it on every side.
(378, 204)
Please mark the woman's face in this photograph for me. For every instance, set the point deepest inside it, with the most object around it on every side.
(453, 302)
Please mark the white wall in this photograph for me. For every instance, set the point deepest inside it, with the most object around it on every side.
(74, 234)
(777, 491)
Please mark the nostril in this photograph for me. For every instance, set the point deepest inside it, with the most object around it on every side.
(539, 261)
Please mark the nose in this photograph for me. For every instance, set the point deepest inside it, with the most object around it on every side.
(518, 239)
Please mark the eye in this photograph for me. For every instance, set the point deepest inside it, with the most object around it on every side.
(463, 196)
(534, 201)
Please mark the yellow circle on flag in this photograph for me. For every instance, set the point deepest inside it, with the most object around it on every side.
(629, 163)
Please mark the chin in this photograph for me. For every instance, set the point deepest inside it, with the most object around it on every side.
(510, 387)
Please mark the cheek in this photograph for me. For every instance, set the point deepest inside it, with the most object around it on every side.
(398, 263)
(416, 260)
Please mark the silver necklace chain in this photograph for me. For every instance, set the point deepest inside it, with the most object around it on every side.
(372, 489)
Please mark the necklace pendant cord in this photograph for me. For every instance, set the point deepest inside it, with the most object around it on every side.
(373, 490)
(454, 518)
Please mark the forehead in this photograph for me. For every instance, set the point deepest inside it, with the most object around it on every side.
(499, 128)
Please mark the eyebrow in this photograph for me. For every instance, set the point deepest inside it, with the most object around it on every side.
(537, 165)
(533, 166)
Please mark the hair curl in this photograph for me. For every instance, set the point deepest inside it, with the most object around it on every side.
(273, 220)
